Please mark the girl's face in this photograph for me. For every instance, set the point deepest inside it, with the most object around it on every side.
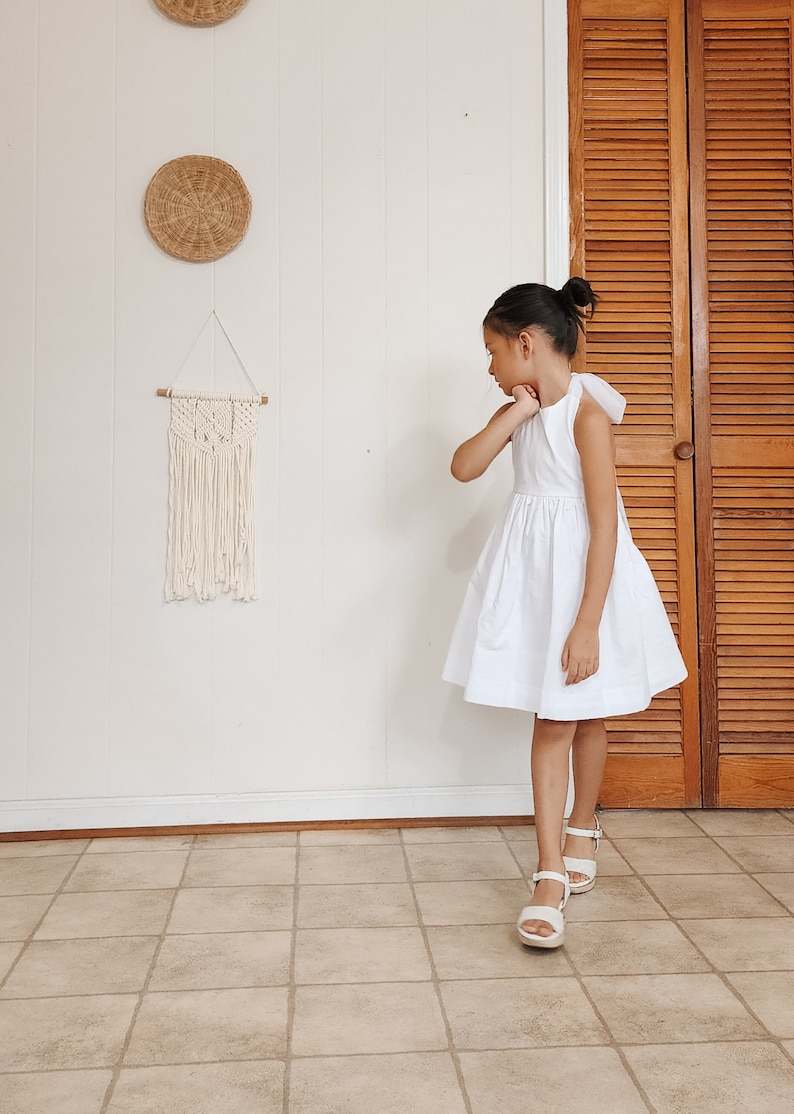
(510, 359)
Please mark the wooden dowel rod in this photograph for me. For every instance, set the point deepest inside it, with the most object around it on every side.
(165, 392)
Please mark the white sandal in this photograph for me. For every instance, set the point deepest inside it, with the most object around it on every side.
(583, 866)
(546, 913)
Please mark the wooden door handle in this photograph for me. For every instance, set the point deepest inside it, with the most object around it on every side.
(684, 450)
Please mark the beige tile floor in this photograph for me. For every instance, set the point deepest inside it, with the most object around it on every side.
(378, 971)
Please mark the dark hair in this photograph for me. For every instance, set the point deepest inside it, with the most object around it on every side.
(559, 313)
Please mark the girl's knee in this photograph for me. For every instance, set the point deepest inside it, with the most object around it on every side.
(553, 731)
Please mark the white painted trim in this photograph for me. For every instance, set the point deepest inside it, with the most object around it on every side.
(266, 808)
(555, 126)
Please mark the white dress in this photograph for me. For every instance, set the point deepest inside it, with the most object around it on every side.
(525, 592)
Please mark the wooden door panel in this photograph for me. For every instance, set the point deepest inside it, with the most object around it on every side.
(743, 305)
(629, 237)
(757, 781)
(632, 212)
(754, 573)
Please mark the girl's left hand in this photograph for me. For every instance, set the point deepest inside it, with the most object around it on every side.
(580, 654)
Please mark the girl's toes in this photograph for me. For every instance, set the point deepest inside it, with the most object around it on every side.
(537, 928)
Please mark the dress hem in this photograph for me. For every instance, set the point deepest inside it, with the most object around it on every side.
(537, 707)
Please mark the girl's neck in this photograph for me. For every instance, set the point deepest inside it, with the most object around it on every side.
(554, 379)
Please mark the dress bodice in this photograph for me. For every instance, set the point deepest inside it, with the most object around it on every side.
(545, 458)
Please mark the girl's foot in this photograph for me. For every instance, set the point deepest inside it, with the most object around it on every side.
(581, 847)
(549, 897)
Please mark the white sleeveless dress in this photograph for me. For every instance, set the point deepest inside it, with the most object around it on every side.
(525, 592)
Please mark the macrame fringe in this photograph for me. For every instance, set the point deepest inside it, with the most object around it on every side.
(211, 546)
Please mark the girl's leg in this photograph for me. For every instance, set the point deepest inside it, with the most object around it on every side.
(551, 744)
(589, 758)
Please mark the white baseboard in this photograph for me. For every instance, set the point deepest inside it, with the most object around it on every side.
(265, 808)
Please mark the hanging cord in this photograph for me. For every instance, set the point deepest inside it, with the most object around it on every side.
(168, 392)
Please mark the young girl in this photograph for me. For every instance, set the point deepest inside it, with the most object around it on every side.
(562, 616)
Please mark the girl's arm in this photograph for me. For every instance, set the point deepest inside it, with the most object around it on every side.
(472, 458)
(593, 436)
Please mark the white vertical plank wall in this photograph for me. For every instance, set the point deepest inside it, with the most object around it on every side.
(394, 151)
(73, 429)
(18, 83)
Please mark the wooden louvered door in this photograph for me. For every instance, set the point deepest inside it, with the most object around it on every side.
(743, 299)
(629, 236)
(682, 220)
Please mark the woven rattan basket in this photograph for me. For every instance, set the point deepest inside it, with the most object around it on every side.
(199, 13)
(197, 208)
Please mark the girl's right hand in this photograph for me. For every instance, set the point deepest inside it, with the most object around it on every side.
(527, 398)
(580, 653)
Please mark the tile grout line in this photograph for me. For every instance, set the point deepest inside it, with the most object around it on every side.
(767, 1037)
(372, 1055)
(117, 1068)
(786, 911)
(616, 1046)
(29, 938)
(292, 990)
(436, 982)
(677, 921)
(575, 974)
(789, 915)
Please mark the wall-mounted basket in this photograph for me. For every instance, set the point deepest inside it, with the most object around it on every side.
(197, 208)
(199, 13)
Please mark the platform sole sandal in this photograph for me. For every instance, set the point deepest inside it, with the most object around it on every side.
(583, 866)
(546, 913)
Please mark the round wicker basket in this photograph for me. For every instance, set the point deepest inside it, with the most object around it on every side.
(197, 208)
(199, 13)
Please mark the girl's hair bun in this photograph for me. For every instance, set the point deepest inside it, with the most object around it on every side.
(560, 313)
(580, 292)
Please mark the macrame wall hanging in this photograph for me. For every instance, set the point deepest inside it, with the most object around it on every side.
(211, 522)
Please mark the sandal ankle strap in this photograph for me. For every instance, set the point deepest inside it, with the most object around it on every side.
(553, 875)
(590, 833)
